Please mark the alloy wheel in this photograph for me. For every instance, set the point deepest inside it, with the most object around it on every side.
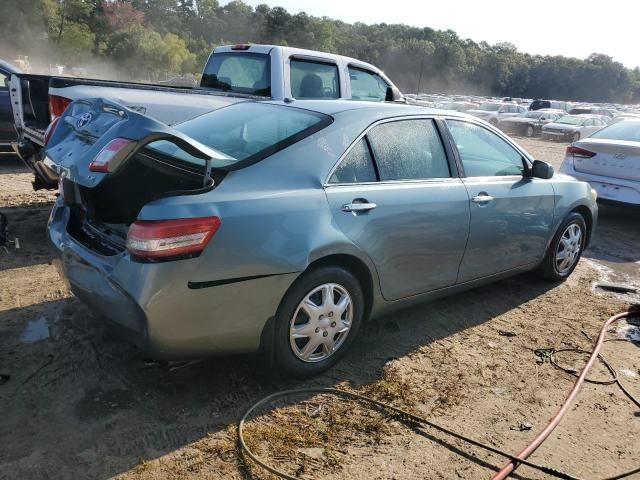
(321, 322)
(569, 247)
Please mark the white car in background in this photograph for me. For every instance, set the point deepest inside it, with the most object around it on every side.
(493, 112)
(610, 161)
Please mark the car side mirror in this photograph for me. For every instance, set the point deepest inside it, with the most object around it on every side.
(393, 95)
(542, 169)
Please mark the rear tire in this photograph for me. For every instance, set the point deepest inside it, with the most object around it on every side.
(566, 248)
(575, 137)
(324, 307)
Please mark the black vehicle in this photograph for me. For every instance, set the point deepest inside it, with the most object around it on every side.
(8, 132)
(554, 104)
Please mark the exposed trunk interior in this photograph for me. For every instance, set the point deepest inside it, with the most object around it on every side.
(100, 218)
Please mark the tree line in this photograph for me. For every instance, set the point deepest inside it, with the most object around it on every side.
(153, 38)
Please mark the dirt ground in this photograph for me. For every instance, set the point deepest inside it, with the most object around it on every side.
(80, 403)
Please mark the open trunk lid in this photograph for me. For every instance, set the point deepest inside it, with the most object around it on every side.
(108, 196)
(613, 158)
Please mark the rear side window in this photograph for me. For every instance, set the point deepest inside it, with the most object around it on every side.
(356, 166)
(407, 150)
(314, 79)
(366, 85)
(247, 132)
(483, 153)
(247, 73)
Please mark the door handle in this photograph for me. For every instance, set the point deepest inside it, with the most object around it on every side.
(356, 207)
(482, 198)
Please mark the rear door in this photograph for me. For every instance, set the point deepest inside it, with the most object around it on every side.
(396, 196)
(511, 215)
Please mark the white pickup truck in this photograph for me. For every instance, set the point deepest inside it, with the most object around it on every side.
(232, 74)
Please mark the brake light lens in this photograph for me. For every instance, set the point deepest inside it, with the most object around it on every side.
(101, 162)
(579, 152)
(57, 106)
(240, 46)
(48, 133)
(158, 239)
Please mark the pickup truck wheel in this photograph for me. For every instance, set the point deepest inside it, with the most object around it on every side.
(317, 321)
(566, 249)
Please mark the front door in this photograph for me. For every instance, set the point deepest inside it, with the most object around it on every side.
(393, 195)
(7, 129)
(511, 215)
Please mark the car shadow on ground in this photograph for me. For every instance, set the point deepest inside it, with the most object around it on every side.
(27, 224)
(90, 388)
(617, 238)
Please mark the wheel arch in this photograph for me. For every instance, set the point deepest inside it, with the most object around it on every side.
(588, 219)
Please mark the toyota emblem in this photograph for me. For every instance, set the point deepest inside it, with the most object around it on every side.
(83, 120)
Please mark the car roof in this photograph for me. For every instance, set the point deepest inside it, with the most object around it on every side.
(391, 109)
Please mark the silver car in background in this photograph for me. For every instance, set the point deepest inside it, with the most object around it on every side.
(572, 127)
(493, 112)
(610, 161)
(282, 226)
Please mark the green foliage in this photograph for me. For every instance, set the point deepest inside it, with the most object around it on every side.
(154, 38)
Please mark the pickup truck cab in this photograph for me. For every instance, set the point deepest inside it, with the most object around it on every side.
(232, 74)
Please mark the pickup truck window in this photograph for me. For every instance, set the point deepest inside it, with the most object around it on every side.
(314, 79)
(367, 85)
(248, 132)
(239, 72)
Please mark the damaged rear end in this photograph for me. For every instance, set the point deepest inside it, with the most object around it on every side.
(111, 162)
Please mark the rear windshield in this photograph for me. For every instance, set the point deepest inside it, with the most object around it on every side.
(247, 132)
(239, 72)
(625, 130)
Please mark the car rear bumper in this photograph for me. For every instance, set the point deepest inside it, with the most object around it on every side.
(608, 188)
(156, 308)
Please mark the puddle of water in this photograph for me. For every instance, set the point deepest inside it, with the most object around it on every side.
(629, 332)
(36, 331)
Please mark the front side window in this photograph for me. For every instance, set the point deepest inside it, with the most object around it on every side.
(247, 132)
(408, 150)
(356, 166)
(247, 73)
(314, 79)
(366, 85)
(483, 153)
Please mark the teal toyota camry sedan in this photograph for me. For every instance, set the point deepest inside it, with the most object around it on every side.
(283, 226)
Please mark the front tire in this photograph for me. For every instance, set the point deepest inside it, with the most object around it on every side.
(566, 249)
(317, 321)
(575, 137)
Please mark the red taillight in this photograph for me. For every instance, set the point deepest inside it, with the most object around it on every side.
(101, 162)
(579, 152)
(155, 239)
(240, 46)
(57, 105)
(48, 133)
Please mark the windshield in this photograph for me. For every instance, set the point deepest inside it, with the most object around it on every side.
(626, 130)
(569, 120)
(239, 72)
(247, 132)
(490, 107)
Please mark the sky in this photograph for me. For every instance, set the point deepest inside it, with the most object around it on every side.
(548, 27)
